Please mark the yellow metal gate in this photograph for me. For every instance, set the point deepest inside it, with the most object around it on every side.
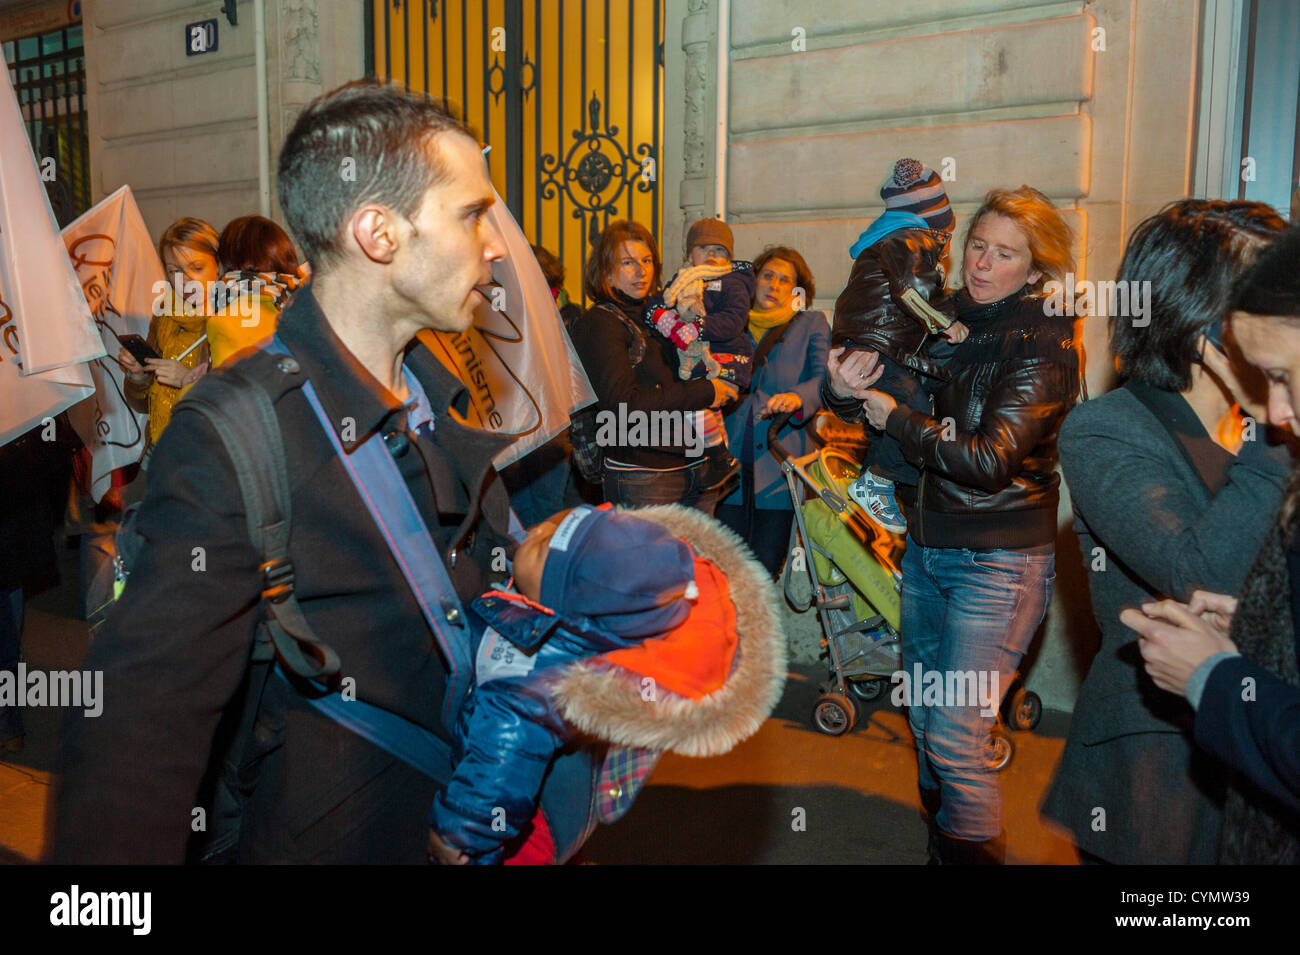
(568, 93)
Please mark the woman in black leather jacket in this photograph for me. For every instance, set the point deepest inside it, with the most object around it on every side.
(979, 566)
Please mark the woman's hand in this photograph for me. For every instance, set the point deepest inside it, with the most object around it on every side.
(1215, 609)
(195, 374)
(131, 366)
(444, 854)
(1218, 364)
(852, 375)
(780, 404)
(877, 406)
(955, 333)
(723, 392)
(1174, 641)
(168, 371)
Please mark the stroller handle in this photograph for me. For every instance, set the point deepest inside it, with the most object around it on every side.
(791, 466)
(774, 444)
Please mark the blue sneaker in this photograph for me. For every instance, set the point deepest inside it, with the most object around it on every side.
(875, 495)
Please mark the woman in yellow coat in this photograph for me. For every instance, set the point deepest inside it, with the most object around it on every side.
(188, 249)
(261, 273)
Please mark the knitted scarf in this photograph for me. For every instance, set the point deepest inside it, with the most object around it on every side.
(278, 286)
(761, 319)
(1256, 829)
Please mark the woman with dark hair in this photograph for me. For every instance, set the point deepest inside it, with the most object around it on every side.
(261, 273)
(642, 406)
(1214, 648)
(1168, 498)
(790, 347)
(979, 565)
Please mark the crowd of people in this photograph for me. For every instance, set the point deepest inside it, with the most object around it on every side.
(1182, 481)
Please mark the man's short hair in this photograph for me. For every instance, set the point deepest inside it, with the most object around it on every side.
(1191, 252)
(364, 142)
(1272, 286)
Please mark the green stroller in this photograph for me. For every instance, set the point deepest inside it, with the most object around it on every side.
(854, 567)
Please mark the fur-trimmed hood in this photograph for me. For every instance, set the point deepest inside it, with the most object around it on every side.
(606, 701)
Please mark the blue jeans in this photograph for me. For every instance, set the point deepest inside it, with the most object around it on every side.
(967, 611)
(642, 487)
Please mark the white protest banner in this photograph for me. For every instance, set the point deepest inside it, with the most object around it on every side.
(523, 375)
(119, 270)
(46, 332)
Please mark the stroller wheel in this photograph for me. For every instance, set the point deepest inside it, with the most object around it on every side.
(998, 751)
(867, 690)
(1026, 709)
(834, 714)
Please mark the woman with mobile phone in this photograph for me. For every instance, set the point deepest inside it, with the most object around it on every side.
(188, 249)
(1215, 646)
(1170, 494)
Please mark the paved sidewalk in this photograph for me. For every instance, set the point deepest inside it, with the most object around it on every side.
(23, 794)
(857, 794)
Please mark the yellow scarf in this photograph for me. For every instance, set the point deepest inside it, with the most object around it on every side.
(761, 319)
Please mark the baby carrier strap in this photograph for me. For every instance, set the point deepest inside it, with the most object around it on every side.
(382, 489)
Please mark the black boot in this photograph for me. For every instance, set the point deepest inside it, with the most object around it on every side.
(954, 851)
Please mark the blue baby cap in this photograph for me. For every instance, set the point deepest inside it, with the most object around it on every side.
(632, 576)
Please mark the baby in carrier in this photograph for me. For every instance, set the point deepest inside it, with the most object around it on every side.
(620, 640)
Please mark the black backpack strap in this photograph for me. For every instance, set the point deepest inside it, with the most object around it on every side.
(241, 412)
(639, 334)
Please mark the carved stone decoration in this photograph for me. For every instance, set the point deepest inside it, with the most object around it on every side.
(693, 144)
(301, 44)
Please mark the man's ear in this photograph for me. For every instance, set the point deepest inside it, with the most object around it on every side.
(376, 232)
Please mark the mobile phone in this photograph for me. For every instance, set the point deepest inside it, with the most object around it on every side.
(138, 347)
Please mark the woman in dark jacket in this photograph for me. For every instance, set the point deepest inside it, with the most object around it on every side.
(789, 364)
(979, 565)
(1167, 499)
(652, 455)
(1237, 661)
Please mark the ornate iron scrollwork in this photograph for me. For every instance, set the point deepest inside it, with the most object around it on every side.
(602, 172)
(496, 74)
(527, 64)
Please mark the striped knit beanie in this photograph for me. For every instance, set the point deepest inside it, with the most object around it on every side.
(914, 187)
